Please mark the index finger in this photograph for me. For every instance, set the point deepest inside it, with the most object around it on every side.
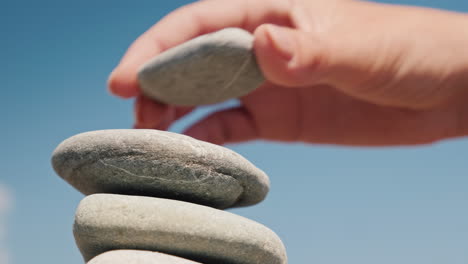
(188, 22)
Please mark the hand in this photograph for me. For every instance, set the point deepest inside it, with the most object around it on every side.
(338, 72)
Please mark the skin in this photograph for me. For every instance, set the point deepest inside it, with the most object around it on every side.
(340, 72)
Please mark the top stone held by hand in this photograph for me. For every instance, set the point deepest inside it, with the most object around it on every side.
(205, 70)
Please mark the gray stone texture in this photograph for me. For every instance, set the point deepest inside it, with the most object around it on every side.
(137, 257)
(106, 222)
(159, 164)
(208, 69)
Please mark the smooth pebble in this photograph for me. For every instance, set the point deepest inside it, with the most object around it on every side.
(159, 164)
(137, 257)
(208, 69)
(106, 222)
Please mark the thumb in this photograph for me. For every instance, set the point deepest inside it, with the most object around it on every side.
(289, 57)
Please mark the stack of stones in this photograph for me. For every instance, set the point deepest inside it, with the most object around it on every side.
(156, 197)
(159, 191)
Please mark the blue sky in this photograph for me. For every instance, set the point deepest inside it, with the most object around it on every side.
(330, 205)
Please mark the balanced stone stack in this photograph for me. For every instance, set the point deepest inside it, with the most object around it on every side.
(160, 191)
(155, 197)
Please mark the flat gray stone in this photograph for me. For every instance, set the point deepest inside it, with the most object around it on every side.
(208, 69)
(159, 164)
(137, 257)
(105, 222)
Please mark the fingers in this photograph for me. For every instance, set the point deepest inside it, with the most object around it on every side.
(330, 117)
(167, 119)
(154, 115)
(323, 115)
(173, 114)
(148, 113)
(227, 126)
(186, 23)
(181, 111)
(372, 125)
(290, 57)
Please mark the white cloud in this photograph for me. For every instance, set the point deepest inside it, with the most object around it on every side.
(6, 202)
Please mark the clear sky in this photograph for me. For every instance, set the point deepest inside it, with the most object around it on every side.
(330, 205)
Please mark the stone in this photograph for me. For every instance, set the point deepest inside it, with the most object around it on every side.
(106, 222)
(159, 164)
(205, 70)
(137, 257)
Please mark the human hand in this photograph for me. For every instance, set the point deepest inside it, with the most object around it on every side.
(338, 72)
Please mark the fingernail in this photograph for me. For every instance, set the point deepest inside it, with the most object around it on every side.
(283, 40)
(197, 132)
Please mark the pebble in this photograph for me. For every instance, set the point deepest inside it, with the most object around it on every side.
(106, 222)
(137, 257)
(159, 164)
(208, 69)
